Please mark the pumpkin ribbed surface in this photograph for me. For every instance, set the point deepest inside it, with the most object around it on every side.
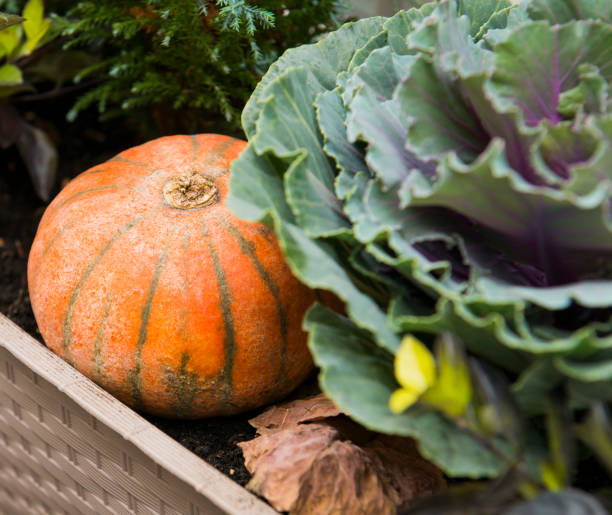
(142, 279)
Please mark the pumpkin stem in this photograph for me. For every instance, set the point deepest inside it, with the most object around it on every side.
(189, 191)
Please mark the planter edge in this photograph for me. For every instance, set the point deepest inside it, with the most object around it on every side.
(147, 457)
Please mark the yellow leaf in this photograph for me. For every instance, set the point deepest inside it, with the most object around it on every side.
(6, 20)
(33, 14)
(401, 399)
(551, 476)
(528, 490)
(9, 39)
(452, 392)
(415, 369)
(33, 41)
(489, 419)
(10, 75)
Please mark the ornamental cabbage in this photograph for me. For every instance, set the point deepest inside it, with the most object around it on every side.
(448, 170)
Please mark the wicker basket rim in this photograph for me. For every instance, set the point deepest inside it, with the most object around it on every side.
(169, 454)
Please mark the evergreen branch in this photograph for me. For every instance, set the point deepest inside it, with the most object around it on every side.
(197, 57)
(236, 13)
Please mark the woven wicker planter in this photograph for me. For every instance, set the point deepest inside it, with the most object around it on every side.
(67, 446)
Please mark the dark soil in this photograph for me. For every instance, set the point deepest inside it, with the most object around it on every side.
(214, 440)
(20, 212)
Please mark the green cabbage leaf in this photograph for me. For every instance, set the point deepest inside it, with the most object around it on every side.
(448, 170)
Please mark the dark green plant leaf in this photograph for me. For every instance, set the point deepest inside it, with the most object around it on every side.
(589, 96)
(470, 498)
(446, 35)
(485, 15)
(495, 411)
(587, 176)
(10, 125)
(325, 59)
(318, 265)
(464, 152)
(348, 158)
(490, 191)
(567, 502)
(380, 122)
(61, 67)
(538, 62)
(596, 369)
(399, 26)
(556, 472)
(10, 75)
(40, 157)
(255, 196)
(309, 180)
(439, 121)
(596, 432)
(562, 11)
(583, 394)
(532, 389)
(562, 148)
(6, 20)
(358, 376)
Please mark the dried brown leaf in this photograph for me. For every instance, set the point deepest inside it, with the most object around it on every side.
(279, 459)
(343, 480)
(311, 459)
(405, 474)
(295, 412)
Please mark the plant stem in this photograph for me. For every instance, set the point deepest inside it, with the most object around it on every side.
(56, 92)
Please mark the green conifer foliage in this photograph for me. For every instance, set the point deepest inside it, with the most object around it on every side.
(188, 58)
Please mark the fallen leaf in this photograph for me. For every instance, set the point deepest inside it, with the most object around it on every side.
(40, 157)
(310, 459)
(294, 412)
(404, 472)
(343, 480)
(279, 459)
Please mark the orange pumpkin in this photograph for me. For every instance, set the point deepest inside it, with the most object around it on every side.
(142, 279)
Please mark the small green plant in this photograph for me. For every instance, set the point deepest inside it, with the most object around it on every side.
(20, 37)
(8, 20)
(29, 59)
(188, 61)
